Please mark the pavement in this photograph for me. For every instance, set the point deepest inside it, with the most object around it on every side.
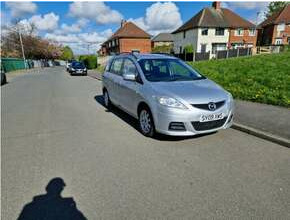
(55, 125)
(265, 121)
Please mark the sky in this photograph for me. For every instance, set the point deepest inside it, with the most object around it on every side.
(85, 25)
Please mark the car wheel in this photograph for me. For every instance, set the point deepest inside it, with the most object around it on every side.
(107, 100)
(146, 123)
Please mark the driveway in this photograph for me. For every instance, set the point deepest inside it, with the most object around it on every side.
(54, 125)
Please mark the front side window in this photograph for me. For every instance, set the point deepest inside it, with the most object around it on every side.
(239, 32)
(156, 70)
(219, 31)
(129, 67)
(116, 66)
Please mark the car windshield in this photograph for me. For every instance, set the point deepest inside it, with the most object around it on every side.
(156, 70)
(78, 65)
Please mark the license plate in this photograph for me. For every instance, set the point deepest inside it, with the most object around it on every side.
(211, 117)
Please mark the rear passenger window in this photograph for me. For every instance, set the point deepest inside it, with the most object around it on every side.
(116, 66)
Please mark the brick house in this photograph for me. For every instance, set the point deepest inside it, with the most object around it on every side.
(275, 30)
(213, 29)
(129, 37)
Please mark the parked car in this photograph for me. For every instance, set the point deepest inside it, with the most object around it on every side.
(68, 64)
(166, 95)
(78, 68)
(3, 76)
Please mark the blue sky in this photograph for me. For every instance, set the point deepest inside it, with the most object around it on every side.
(79, 24)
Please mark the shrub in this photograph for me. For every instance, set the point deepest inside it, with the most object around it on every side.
(90, 61)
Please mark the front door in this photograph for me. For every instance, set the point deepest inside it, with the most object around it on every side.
(129, 90)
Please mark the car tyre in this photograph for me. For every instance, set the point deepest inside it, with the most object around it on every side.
(107, 101)
(146, 123)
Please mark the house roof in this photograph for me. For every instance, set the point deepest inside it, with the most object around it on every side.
(211, 17)
(130, 30)
(163, 37)
(282, 16)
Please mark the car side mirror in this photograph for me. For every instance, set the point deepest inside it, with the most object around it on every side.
(129, 76)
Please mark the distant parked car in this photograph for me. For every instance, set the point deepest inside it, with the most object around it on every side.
(166, 95)
(3, 76)
(78, 68)
(68, 64)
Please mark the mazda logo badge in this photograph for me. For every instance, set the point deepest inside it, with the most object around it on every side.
(211, 106)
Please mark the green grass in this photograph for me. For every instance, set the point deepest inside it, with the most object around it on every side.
(262, 78)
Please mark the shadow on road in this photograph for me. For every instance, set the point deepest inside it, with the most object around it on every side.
(134, 123)
(52, 206)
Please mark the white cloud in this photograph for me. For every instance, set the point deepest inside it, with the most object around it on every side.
(80, 42)
(98, 11)
(259, 7)
(245, 5)
(47, 22)
(19, 9)
(160, 17)
(74, 28)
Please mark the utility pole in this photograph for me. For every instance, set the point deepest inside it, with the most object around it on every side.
(22, 48)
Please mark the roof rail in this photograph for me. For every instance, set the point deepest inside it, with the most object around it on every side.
(130, 53)
(168, 54)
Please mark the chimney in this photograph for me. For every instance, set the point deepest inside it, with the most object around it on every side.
(216, 5)
(123, 22)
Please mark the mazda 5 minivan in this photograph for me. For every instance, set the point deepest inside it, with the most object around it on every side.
(166, 95)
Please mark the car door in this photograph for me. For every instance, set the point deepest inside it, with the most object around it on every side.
(113, 78)
(129, 90)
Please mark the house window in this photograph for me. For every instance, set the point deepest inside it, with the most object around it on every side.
(180, 50)
(278, 41)
(219, 31)
(184, 34)
(239, 32)
(204, 31)
(218, 46)
(281, 27)
(202, 48)
(252, 32)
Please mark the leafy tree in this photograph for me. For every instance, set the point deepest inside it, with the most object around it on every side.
(189, 48)
(90, 61)
(274, 7)
(67, 53)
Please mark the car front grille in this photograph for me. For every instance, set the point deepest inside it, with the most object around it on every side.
(205, 106)
(203, 126)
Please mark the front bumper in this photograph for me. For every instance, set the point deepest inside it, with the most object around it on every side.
(163, 116)
(83, 72)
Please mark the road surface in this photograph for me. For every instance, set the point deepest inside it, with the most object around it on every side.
(54, 125)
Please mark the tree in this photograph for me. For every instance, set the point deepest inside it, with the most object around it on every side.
(188, 48)
(67, 53)
(274, 7)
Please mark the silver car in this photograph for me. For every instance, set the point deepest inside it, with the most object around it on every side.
(166, 95)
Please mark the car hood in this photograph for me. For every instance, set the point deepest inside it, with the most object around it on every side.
(193, 92)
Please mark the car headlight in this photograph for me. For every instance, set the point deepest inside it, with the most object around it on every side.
(170, 102)
(72, 69)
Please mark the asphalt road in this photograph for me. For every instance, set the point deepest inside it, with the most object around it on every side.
(54, 125)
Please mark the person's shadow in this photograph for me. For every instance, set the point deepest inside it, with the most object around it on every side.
(52, 206)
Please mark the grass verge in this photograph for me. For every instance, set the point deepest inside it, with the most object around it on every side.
(263, 78)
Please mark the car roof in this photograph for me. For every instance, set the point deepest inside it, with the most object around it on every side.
(140, 56)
